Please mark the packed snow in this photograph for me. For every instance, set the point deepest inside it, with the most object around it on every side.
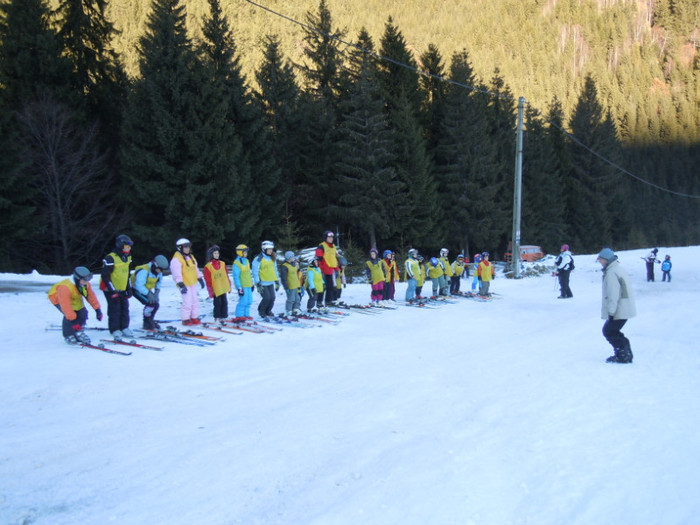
(475, 413)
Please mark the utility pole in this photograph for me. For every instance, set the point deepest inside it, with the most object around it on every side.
(517, 191)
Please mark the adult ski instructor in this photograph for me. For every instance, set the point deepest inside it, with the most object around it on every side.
(328, 263)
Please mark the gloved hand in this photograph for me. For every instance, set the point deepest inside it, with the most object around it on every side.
(241, 292)
(182, 287)
(611, 318)
(259, 288)
(151, 298)
(202, 283)
(277, 285)
(98, 314)
(77, 327)
(128, 292)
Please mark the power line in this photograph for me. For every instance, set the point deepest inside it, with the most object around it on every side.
(475, 89)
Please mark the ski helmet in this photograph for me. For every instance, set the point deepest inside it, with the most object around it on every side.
(565, 247)
(240, 249)
(267, 245)
(419, 257)
(328, 233)
(181, 243)
(342, 261)
(434, 262)
(412, 252)
(289, 256)
(121, 241)
(484, 254)
(80, 272)
(387, 254)
(477, 258)
(161, 262)
(373, 251)
(460, 256)
(444, 252)
(211, 250)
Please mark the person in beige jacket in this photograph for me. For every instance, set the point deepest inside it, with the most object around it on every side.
(618, 305)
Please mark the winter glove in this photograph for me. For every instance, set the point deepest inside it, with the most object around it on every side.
(259, 288)
(241, 292)
(201, 282)
(98, 314)
(183, 288)
(277, 285)
(611, 318)
(151, 298)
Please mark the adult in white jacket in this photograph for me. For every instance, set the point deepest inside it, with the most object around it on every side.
(618, 305)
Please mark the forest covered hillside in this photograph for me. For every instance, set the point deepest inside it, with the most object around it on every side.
(643, 54)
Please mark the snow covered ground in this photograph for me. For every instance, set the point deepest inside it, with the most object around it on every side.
(469, 414)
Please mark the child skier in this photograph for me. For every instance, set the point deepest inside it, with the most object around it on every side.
(476, 282)
(315, 285)
(266, 278)
(186, 274)
(289, 275)
(446, 278)
(392, 275)
(145, 283)
(243, 280)
(435, 274)
(67, 296)
(666, 269)
(218, 282)
(412, 271)
(376, 274)
(486, 274)
(340, 281)
(457, 271)
(116, 285)
(420, 277)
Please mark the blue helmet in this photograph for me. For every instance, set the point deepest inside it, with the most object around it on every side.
(434, 262)
(387, 253)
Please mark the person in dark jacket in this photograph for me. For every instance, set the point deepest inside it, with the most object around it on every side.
(564, 263)
(116, 285)
(651, 260)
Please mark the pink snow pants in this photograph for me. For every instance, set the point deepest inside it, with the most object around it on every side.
(190, 306)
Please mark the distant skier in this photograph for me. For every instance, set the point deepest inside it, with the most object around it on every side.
(565, 264)
(651, 259)
(666, 269)
(289, 275)
(458, 267)
(618, 306)
(67, 296)
(486, 274)
(376, 274)
(327, 252)
(476, 282)
(243, 280)
(412, 271)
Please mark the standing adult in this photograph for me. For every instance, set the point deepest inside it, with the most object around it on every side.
(116, 285)
(186, 274)
(328, 263)
(564, 263)
(651, 259)
(618, 305)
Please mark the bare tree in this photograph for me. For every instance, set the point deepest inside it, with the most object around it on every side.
(76, 186)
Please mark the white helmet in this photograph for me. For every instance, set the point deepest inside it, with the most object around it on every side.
(267, 245)
(444, 252)
(182, 242)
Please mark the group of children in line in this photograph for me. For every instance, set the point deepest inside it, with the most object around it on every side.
(444, 276)
(323, 282)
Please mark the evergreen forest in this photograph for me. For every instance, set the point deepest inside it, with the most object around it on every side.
(392, 123)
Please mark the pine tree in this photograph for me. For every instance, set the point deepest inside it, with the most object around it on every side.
(279, 95)
(167, 184)
(367, 179)
(542, 196)
(466, 161)
(98, 75)
(593, 179)
(434, 88)
(221, 151)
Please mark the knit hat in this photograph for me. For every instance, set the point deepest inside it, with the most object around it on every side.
(606, 254)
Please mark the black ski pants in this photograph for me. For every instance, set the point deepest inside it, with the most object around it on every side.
(564, 283)
(67, 325)
(268, 300)
(117, 310)
(611, 332)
